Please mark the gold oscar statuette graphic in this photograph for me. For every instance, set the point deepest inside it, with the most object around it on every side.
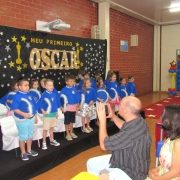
(18, 60)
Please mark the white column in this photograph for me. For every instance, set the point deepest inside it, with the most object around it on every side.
(103, 22)
(157, 60)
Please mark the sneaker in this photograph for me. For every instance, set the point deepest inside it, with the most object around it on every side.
(32, 153)
(86, 130)
(24, 157)
(73, 135)
(44, 146)
(69, 138)
(89, 128)
(54, 143)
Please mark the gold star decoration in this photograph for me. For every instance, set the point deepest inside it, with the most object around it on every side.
(151, 115)
(19, 68)
(82, 64)
(78, 61)
(173, 63)
(149, 109)
(158, 104)
(165, 101)
(11, 64)
(25, 65)
(81, 48)
(77, 44)
(23, 38)
(14, 39)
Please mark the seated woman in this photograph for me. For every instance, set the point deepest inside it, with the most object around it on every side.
(169, 168)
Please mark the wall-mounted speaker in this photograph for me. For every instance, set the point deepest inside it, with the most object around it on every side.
(95, 32)
(134, 40)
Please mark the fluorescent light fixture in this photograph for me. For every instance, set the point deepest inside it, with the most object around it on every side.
(174, 7)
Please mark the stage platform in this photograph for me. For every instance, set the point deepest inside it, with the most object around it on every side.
(13, 168)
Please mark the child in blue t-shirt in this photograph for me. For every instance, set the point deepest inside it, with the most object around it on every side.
(81, 74)
(112, 90)
(88, 98)
(34, 90)
(102, 95)
(54, 90)
(100, 86)
(24, 108)
(131, 88)
(7, 98)
(107, 80)
(97, 75)
(122, 92)
(93, 83)
(48, 105)
(73, 98)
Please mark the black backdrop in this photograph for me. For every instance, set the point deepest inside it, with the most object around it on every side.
(32, 54)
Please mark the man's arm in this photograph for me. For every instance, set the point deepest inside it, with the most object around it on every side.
(119, 123)
(102, 125)
(102, 134)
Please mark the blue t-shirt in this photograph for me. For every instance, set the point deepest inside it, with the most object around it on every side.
(43, 103)
(72, 95)
(102, 95)
(93, 83)
(122, 92)
(36, 94)
(90, 95)
(57, 96)
(106, 81)
(79, 86)
(8, 96)
(111, 85)
(24, 102)
(131, 88)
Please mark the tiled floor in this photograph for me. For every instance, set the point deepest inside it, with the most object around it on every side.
(77, 164)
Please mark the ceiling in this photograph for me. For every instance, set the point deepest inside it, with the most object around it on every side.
(152, 11)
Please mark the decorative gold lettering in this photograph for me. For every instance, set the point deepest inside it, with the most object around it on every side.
(74, 64)
(58, 42)
(34, 63)
(33, 40)
(47, 41)
(45, 59)
(36, 40)
(53, 64)
(77, 51)
(64, 62)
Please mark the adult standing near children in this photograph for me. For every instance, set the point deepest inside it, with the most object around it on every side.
(130, 146)
(169, 159)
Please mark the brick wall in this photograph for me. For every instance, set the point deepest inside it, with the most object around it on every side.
(80, 14)
(138, 61)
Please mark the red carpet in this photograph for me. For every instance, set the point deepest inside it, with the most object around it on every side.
(154, 111)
